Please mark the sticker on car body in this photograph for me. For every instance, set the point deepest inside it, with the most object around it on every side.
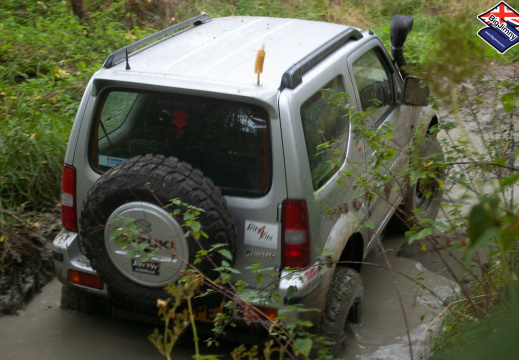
(261, 234)
(109, 161)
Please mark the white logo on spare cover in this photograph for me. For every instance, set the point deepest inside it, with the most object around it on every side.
(261, 234)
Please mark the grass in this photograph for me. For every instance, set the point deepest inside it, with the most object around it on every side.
(46, 59)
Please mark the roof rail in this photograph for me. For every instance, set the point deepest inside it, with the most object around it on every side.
(294, 75)
(119, 55)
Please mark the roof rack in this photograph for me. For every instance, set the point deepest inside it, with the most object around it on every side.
(119, 55)
(294, 76)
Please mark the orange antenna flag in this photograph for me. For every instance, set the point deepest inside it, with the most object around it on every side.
(258, 66)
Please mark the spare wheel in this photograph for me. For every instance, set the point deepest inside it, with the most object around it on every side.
(139, 189)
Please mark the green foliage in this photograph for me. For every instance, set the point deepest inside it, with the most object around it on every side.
(47, 55)
(125, 232)
(292, 335)
(190, 220)
(510, 99)
(454, 56)
(312, 9)
(483, 170)
(492, 338)
(487, 172)
(492, 224)
(176, 320)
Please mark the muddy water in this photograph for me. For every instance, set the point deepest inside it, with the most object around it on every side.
(382, 333)
(44, 331)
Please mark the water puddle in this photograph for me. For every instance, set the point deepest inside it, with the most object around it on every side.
(382, 333)
(43, 331)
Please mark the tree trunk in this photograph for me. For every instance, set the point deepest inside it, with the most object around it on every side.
(78, 7)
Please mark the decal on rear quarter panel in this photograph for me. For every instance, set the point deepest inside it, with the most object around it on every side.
(261, 234)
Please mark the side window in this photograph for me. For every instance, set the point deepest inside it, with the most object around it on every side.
(326, 133)
(115, 110)
(373, 84)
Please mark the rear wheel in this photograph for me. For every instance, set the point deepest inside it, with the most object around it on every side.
(75, 299)
(343, 306)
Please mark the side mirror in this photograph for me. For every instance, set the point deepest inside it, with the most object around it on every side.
(416, 91)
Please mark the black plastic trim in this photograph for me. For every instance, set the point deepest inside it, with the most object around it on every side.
(293, 77)
(56, 255)
(120, 55)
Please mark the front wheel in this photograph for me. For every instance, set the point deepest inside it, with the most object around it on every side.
(422, 200)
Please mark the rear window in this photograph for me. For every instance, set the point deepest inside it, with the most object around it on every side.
(228, 141)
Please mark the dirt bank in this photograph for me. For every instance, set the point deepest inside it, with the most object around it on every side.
(26, 259)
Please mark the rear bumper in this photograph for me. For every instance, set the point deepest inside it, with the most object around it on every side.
(311, 283)
(67, 255)
(301, 294)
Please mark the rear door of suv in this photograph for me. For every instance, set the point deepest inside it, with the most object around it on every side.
(236, 142)
(319, 146)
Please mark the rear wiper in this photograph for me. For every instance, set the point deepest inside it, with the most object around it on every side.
(104, 130)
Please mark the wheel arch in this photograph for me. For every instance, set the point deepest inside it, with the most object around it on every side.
(353, 252)
(432, 123)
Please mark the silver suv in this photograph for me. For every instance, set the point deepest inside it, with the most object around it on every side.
(189, 117)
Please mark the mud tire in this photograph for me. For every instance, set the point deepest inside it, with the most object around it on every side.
(414, 198)
(152, 181)
(343, 305)
(78, 300)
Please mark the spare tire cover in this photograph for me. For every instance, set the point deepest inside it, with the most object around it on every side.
(139, 189)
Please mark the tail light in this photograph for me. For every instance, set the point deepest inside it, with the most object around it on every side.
(270, 312)
(85, 279)
(258, 312)
(296, 234)
(68, 198)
